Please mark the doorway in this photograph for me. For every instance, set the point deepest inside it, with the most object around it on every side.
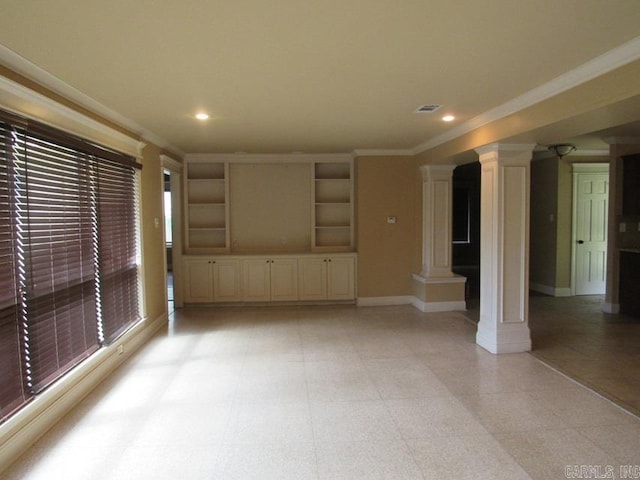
(168, 239)
(589, 237)
(172, 213)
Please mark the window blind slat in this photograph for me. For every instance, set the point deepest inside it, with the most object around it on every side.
(60, 298)
(117, 235)
(13, 393)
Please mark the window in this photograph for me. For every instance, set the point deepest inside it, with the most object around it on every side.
(68, 254)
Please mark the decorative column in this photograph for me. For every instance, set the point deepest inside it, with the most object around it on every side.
(437, 288)
(504, 248)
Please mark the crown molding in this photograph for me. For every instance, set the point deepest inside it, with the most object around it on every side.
(21, 100)
(372, 152)
(618, 57)
(24, 67)
(622, 140)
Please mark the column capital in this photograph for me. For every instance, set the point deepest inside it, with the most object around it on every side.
(433, 172)
(505, 151)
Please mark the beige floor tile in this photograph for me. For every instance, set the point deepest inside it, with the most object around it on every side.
(352, 421)
(366, 460)
(270, 423)
(163, 463)
(511, 412)
(547, 454)
(404, 377)
(578, 407)
(620, 441)
(296, 461)
(433, 417)
(465, 457)
(338, 381)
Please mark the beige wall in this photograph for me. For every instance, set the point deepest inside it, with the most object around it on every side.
(153, 248)
(385, 187)
(269, 207)
(544, 221)
(564, 225)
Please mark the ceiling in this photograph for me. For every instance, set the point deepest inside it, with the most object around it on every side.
(326, 76)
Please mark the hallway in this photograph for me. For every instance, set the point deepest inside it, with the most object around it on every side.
(599, 350)
(331, 393)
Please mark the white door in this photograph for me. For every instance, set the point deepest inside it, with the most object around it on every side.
(226, 281)
(197, 281)
(591, 195)
(340, 279)
(256, 280)
(284, 279)
(313, 278)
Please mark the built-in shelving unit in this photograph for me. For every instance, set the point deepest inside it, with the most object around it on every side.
(333, 206)
(207, 208)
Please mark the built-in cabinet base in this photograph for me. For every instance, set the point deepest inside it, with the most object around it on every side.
(270, 278)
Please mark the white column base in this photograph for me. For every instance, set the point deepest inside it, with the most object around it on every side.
(611, 307)
(507, 338)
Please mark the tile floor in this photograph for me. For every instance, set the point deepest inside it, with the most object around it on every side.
(331, 393)
(599, 350)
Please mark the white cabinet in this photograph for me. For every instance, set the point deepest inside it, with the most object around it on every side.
(198, 280)
(227, 280)
(208, 280)
(253, 278)
(327, 277)
(270, 279)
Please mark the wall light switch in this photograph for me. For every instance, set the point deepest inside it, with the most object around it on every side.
(392, 219)
(156, 222)
(623, 227)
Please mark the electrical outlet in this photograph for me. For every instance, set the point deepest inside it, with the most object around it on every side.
(623, 227)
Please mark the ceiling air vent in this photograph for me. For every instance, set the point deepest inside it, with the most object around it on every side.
(428, 108)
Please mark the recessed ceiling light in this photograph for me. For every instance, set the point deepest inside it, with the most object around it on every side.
(448, 118)
(202, 116)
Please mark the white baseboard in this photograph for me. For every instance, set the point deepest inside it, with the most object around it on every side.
(548, 290)
(611, 307)
(24, 428)
(412, 300)
(439, 306)
(383, 301)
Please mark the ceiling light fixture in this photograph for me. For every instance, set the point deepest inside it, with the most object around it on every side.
(448, 118)
(562, 149)
(202, 116)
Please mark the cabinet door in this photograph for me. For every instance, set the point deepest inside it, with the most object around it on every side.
(284, 279)
(312, 278)
(227, 286)
(341, 278)
(197, 281)
(256, 280)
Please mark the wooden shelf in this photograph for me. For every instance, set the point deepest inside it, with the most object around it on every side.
(333, 207)
(206, 198)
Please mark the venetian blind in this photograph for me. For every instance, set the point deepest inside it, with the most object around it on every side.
(13, 393)
(68, 254)
(117, 234)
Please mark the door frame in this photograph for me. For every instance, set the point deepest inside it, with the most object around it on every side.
(577, 169)
(175, 168)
